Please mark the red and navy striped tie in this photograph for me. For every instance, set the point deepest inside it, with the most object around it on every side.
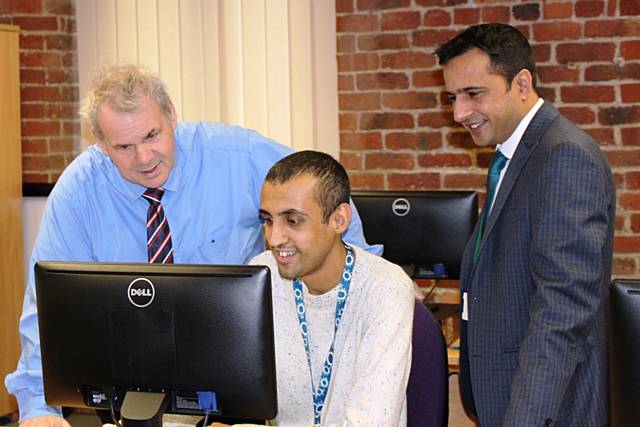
(159, 245)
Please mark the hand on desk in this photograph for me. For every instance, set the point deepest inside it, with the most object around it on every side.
(45, 421)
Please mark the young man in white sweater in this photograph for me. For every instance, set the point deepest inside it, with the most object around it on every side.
(342, 317)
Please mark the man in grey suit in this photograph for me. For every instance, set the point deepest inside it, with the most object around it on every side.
(535, 273)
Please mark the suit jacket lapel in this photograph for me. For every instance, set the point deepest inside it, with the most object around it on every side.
(532, 135)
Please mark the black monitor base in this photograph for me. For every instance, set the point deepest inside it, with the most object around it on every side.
(141, 409)
(433, 271)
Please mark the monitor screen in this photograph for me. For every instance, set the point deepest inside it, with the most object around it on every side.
(625, 352)
(110, 329)
(425, 231)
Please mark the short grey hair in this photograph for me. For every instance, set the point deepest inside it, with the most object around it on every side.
(120, 86)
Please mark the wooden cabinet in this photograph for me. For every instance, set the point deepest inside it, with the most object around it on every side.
(11, 252)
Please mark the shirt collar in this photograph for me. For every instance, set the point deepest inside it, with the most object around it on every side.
(509, 146)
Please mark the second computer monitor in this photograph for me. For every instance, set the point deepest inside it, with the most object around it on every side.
(423, 230)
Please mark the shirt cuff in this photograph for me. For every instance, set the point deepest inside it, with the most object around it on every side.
(32, 405)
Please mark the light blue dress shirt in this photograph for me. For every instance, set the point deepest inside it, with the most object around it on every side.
(93, 214)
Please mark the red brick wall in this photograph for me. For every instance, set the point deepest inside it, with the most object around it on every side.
(396, 128)
(48, 84)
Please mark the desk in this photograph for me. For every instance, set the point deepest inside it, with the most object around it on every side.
(453, 356)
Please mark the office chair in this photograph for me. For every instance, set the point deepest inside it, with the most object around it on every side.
(624, 323)
(428, 388)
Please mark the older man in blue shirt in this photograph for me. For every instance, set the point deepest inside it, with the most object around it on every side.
(209, 176)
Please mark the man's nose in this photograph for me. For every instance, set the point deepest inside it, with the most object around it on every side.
(461, 110)
(144, 154)
(275, 234)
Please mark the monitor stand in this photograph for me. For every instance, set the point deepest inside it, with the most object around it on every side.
(433, 271)
(140, 409)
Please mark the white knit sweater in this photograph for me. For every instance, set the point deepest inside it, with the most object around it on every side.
(372, 347)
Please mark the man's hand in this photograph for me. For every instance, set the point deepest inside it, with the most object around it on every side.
(47, 421)
(219, 425)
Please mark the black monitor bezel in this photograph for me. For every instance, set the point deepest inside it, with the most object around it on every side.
(61, 391)
(417, 267)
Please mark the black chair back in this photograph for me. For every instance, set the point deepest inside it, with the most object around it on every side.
(624, 325)
(428, 388)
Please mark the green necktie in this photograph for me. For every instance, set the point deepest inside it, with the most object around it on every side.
(497, 164)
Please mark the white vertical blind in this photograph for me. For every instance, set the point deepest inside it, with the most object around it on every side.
(254, 58)
(301, 73)
(210, 22)
(278, 76)
(231, 65)
(268, 65)
(127, 30)
(192, 54)
(324, 79)
(169, 55)
(105, 19)
(147, 36)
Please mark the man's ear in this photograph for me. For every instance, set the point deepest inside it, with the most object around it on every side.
(524, 83)
(341, 218)
(174, 116)
(99, 142)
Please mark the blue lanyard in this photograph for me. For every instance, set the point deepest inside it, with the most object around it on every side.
(320, 394)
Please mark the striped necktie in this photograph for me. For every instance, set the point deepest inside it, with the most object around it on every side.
(159, 245)
(498, 161)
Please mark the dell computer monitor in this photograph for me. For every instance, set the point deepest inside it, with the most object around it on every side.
(424, 231)
(112, 332)
(625, 352)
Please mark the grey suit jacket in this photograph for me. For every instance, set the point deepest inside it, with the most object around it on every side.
(538, 291)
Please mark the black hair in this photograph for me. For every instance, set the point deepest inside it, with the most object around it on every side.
(332, 188)
(508, 49)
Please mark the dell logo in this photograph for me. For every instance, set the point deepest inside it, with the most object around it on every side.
(141, 292)
(401, 207)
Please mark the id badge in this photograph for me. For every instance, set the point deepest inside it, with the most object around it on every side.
(465, 307)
